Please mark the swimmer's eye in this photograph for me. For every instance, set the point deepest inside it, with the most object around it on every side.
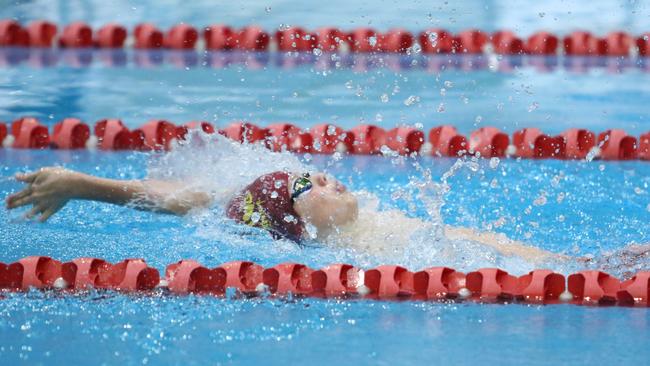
(301, 185)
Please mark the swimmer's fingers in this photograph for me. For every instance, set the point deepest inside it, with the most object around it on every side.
(27, 177)
(13, 197)
(49, 212)
(37, 209)
(22, 200)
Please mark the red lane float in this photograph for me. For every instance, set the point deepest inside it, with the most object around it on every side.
(593, 288)
(295, 39)
(219, 37)
(330, 39)
(617, 44)
(29, 134)
(111, 35)
(387, 282)
(405, 140)
(13, 34)
(363, 40)
(181, 37)
(113, 135)
(245, 132)
(491, 285)
(616, 144)
(532, 143)
(635, 291)
(438, 283)
(252, 38)
(148, 36)
(488, 142)
(507, 43)
(542, 43)
(70, 133)
(188, 276)
(329, 139)
(367, 139)
(396, 40)
(578, 143)
(470, 41)
(41, 33)
(436, 41)
(445, 141)
(82, 273)
(156, 135)
(336, 280)
(243, 276)
(285, 136)
(288, 278)
(582, 43)
(541, 286)
(39, 272)
(76, 35)
(128, 275)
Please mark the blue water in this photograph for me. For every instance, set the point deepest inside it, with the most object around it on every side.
(588, 207)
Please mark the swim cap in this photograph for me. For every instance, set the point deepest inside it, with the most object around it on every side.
(266, 203)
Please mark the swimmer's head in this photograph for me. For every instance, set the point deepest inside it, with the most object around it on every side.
(326, 205)
(283, 203)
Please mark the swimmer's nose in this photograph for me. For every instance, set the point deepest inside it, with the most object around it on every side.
(321, 180)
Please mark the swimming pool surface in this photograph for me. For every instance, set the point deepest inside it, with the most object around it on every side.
(576, 208)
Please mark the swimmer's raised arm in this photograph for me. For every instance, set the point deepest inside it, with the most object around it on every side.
(49, 189)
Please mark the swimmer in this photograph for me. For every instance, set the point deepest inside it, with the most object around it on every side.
(282, 203)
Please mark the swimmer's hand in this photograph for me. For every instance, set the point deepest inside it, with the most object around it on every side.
(47, 190)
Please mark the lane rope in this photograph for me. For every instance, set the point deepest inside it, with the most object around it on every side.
(386, 282)
(327, 138)
(41, 33)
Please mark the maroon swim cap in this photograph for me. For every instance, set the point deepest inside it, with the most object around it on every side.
(266, 203)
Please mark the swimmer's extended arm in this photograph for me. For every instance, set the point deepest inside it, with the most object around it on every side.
(504, 245)
(49, 189)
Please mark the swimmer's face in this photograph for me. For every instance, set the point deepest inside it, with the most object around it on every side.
(327, 204)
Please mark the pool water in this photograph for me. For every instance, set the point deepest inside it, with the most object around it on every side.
(573, 207)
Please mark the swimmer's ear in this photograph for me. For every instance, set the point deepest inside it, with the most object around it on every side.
(26, 177)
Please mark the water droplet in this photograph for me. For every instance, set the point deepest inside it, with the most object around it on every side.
(274, 194)
(277, 184)
(267, 9)
(331, 130)
(478, 119)
(494, 162)
(441, 107)
(541, 200)
(372, 40)
(255, 217)
(443, 92)
(533, 106)
(449, 84)
(317, 51)
(413, 99)
(433, 38)
(379, 117)
(384, 98)
(289, 218)
(541, 14)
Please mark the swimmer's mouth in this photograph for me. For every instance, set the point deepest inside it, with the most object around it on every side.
(340, 187)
